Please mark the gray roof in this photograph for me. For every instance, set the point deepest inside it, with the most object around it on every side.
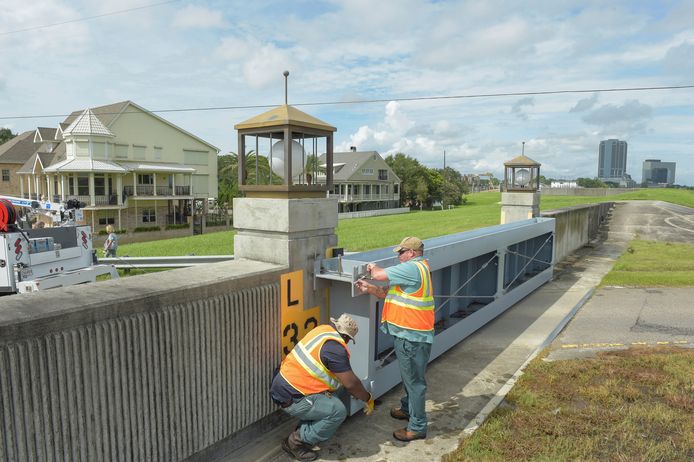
(106, 114)
(87, 123)
(352, 162)
(18, 149)
(47, 134)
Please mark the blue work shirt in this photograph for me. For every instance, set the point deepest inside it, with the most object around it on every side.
(406, 275)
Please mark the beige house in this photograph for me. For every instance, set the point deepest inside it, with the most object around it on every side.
(362, 180)
(13, 155)
(130, 167)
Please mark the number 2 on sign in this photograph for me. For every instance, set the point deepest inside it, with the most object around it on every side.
(295, 321)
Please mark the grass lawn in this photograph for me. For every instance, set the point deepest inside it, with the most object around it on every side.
(629, 405)
(653, 264)
(357, 234)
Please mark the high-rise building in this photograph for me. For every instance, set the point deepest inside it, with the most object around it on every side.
(657, 172)
(612, 160)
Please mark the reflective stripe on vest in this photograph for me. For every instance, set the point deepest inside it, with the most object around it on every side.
(415, 310)
(303, 368)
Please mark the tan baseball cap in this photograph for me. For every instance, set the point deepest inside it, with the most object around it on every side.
(410, 243)
(346, 326)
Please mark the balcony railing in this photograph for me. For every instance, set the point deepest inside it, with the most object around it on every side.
(365, 197)
(148, 190)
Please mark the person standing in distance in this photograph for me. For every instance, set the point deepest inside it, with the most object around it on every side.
(111, 243)
(305, 383)
(408, 315)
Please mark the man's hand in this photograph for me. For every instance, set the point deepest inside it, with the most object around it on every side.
(369, 405)
(362, 286)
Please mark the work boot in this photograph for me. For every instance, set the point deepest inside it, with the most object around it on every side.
(404, 434)
(398, 413)
(297, 448)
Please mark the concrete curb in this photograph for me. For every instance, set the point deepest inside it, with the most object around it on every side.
(500, 395)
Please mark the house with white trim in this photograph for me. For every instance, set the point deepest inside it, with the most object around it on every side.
(362, 180)
(130, 167)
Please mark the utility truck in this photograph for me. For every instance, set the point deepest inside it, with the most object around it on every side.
(48, 257)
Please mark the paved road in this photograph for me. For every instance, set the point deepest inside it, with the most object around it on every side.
(652, 220)
(617, 317)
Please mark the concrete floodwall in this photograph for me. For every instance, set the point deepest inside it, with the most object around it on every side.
(576, 226)
(154, 368)
(600, 192)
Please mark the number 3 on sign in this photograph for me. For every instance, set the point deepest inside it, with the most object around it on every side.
(295, 321)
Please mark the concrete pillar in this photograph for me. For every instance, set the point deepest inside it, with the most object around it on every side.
(154, 183)
(62, 187)
(134, 184)
(49, 190)
(29, 185)
(173, 183)
(92, 194)
(293, 232)
(21, 187)
(517, 206)
(119, 190)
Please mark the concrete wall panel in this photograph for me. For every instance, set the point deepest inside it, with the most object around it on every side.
(162, 383)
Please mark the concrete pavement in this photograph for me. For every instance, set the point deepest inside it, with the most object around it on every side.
(467, 382)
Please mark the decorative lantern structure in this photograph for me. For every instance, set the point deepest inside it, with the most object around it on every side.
(278, 153)
(285, 217)
(521, 197)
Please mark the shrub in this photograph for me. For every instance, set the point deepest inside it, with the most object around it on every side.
(117, 231)
(178, 226)
(144, 229)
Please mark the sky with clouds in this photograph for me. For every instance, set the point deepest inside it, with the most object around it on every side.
(206, 54)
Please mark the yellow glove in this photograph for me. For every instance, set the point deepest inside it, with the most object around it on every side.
(369, 405)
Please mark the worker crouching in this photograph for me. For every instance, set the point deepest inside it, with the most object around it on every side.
(316, 367)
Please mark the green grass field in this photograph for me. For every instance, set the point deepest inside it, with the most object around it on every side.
(482, 209)
(631, 405)
(653, 264)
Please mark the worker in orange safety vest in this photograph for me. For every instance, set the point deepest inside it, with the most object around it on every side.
(408, 315)
(304, 385)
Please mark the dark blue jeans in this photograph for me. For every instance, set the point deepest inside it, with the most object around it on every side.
(413, 358)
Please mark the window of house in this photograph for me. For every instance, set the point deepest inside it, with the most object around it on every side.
(356, 189)
(157, 153)
(5, 174)
(139, 152)
(385, 189)
(396, 188)
(349, 189)
(145, 178)
(367, 171)
(377, 189)
(336, 189)
(149, 216)
(383, 174)
(107, 220)
(99, 185)
(367, 189)
(82, 185)
(121, 151)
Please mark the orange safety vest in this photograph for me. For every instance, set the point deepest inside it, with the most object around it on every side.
(414, 311)
(303, 368)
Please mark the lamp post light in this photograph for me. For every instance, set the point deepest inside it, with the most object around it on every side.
(521, 197)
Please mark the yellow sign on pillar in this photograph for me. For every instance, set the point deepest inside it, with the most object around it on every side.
(295, 321)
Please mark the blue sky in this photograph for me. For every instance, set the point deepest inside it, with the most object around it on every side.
(197, 54)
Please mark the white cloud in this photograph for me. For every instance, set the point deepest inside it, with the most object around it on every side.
(198, 16)
(585, 104)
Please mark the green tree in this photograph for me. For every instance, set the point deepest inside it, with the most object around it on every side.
(410, 171)
(421, 192)
(454, 186)
(6, 135)
(590, 183)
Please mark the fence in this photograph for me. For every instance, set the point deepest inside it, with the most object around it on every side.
(372, 213)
